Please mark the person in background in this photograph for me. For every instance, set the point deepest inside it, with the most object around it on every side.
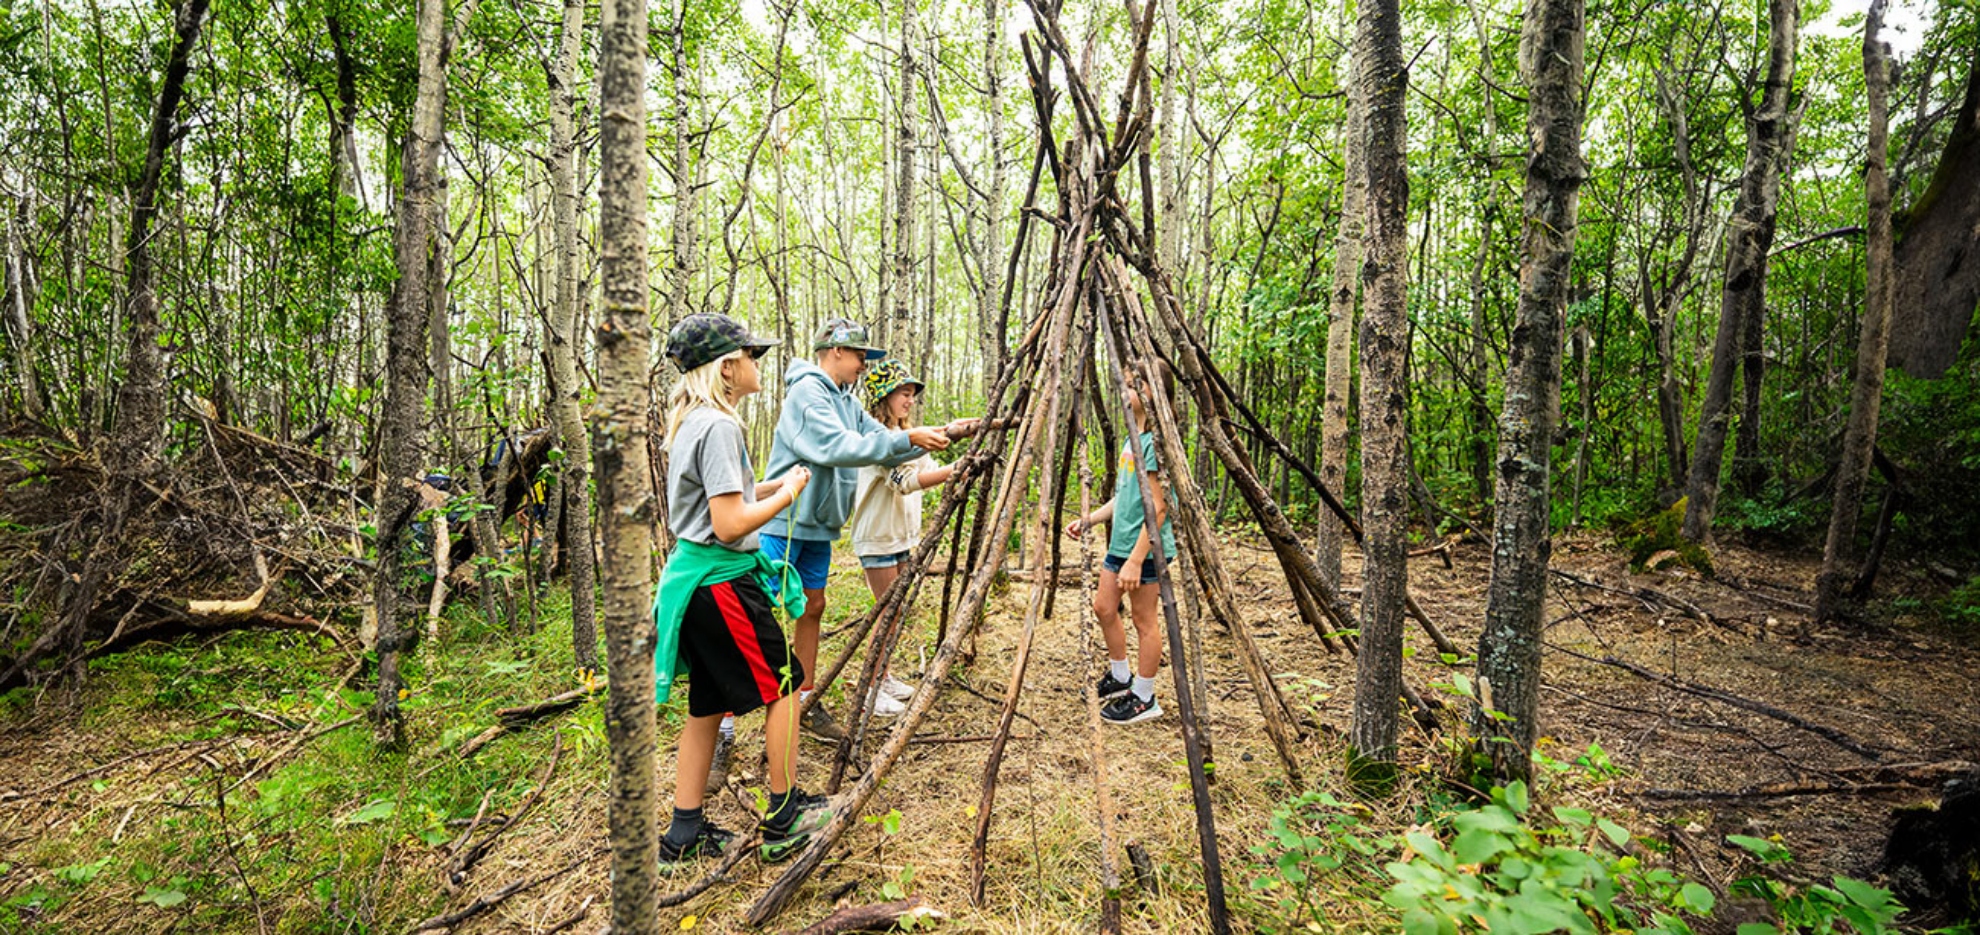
(886, 520)
(1130, 695)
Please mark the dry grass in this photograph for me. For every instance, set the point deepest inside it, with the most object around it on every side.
(1904, 687)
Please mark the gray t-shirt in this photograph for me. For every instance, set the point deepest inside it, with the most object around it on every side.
(708, 459)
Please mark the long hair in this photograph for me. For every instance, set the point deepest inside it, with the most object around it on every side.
(879, 411)
(703, 386)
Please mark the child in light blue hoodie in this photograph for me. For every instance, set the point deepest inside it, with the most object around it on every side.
(823, 427)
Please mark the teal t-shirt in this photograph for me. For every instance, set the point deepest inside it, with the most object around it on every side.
(1129, 513)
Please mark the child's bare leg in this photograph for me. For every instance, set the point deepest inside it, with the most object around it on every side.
(879, 578)
(1107, 606)
(806, 642)
(780, 743)
(1147, 630)
(695, 751)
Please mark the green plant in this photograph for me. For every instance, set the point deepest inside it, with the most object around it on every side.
(1814, 908)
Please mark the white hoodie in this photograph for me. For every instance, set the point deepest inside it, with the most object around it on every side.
(887, 509)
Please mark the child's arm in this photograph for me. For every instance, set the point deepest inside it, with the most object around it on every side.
(764, 489)
(909, 478)
(1077, 528)
(734, 519)
(1130, 576)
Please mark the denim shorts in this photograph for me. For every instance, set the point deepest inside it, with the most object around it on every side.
(884, 561)
(811, 557)
(1113, 563)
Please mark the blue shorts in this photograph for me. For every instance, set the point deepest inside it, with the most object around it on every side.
(884, 561)
(811, 557)
(1113, 563)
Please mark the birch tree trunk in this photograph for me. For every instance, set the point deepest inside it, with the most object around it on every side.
(1509, 646)
(576, 466)
(1749, 236)
(402, 428)
(619, 432)
(1867, 393)
(990, 245)
(681, 277)
(1382, 81)
(1339, 385)
(902, 310)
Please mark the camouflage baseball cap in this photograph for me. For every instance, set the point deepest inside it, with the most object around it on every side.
(887, 376)
(705, 337)
(844, 332)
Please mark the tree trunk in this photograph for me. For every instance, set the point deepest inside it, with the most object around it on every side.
(1340, 329)
(902, 311)
(681, 277)
(1867, 393)
(990, 245)
(14, 304)
(626, 494)
(576, 466)
(1382, 81)
(1509, 646)
(1749, 236)
(402, 429)
(1480, 409)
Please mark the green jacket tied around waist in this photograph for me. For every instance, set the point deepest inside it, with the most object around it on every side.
(691, 566)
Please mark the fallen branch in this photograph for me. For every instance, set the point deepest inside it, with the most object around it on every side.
(738, 851)
(1780, 791)
(464, 861)
(880, 917)
(1722, 696)
(1641, 593)
(293, 746)
(482, 904)
(520, 716)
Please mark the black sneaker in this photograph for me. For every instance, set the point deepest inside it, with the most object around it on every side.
(1110, 687)
(803, 816)
(718, 768)
(1131, 709)
(710, 841)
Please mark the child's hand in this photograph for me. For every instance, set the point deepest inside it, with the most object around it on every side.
(1076, 528)
(1130, 576)
(795, 479)
(962, 428)
(928, 439)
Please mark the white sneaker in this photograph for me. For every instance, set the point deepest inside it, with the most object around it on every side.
(895, 688)
(887, 706)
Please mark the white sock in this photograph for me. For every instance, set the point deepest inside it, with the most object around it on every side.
(1143, 688)
(1118, 669)
(804, 695)
(728, 727)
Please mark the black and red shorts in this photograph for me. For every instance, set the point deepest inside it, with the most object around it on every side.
(737, 660)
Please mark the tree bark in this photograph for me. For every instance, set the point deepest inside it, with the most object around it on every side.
(1382, 82)
(576, 466)
(902, 311)
(402, 430)
(1749, 237)
(1867, 393)
(995, 332)
(1509, 646)
(1339, 386)
(619, 435)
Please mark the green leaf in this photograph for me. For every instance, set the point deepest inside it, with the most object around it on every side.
(1863, 894)
(377, 810)
(1516, 798)
(1757, 928)
(1617, 834)
(1578, 817)
(1698, 898)
(1478, 846)
(162, 897)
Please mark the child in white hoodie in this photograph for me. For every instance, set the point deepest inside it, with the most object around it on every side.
(886, 520)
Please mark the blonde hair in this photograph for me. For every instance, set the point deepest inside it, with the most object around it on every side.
(705, 385)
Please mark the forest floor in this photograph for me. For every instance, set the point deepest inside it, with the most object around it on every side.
(221, 783)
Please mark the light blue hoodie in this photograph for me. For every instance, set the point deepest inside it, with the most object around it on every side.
(824, 428)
